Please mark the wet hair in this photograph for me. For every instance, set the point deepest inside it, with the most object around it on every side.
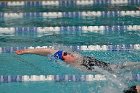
(131, 90)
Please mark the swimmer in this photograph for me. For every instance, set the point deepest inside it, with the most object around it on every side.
(133, 89)
(84, 63)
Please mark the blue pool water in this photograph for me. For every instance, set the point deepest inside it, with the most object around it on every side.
(116, 31)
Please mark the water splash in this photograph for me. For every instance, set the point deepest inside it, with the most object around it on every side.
(109, 89)
(113, 78)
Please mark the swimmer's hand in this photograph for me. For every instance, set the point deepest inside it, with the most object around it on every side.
(20, 52)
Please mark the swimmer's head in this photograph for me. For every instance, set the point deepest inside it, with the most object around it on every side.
(58, 54)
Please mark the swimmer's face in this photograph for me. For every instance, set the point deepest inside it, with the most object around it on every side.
(68, 57)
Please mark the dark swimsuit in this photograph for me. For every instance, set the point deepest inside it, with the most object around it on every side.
(90, 62)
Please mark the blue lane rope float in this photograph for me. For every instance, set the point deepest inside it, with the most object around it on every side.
(59, 78)
(70, 14)
(39, 31)
(67, 3)
(122, 47)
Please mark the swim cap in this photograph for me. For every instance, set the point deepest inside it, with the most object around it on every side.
(58, 54)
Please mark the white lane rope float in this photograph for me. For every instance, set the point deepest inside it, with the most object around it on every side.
(68, 3)
(59, 78)
(81, 14)
(121, 47)
(68, 30)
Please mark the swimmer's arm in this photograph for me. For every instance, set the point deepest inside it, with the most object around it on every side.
(40, 51)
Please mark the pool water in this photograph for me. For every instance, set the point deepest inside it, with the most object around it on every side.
(12, 64)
